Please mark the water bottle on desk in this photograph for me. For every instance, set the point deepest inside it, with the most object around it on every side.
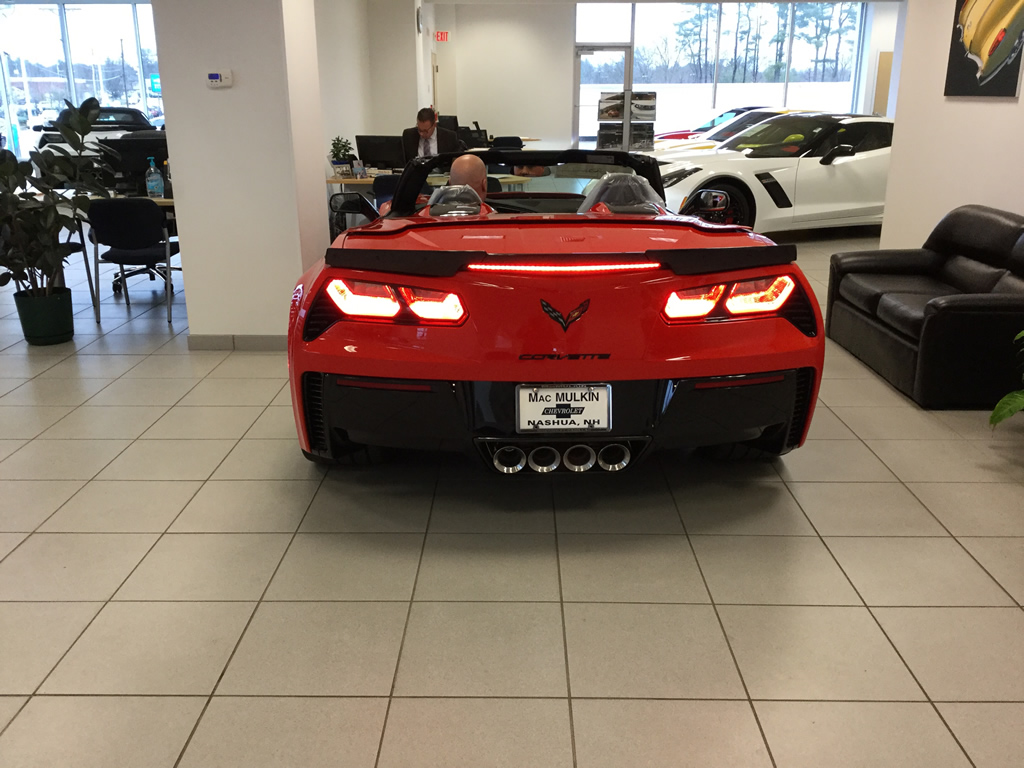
(154, 181)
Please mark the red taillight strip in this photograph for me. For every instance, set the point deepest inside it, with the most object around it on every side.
(740, 382)
(558, 269)
(384, 385)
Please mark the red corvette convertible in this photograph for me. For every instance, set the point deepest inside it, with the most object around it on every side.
(572, 325)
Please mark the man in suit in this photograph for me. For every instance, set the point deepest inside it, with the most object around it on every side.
(428, 138)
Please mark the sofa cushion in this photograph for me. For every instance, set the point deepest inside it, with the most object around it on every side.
(978, 232)
(968, 275)
(1009, 283)
(863, 290)
(904, 312)
(1016, 260)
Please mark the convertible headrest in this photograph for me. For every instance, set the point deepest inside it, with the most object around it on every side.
(620, 189)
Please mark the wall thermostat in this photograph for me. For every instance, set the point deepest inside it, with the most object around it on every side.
(220, 79)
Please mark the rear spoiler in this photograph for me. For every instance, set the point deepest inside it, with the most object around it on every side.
(693, 261)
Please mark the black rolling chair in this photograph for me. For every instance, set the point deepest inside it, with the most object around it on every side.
(135, 229)
(506, 142)
(384, 187)
(493, 185)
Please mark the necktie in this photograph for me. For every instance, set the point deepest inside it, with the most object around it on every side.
(425, 151)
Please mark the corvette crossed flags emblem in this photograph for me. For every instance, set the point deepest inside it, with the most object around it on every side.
(569, 319)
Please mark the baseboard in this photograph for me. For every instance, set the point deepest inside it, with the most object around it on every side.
(239, 342)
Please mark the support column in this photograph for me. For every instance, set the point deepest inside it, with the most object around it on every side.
(248, 161)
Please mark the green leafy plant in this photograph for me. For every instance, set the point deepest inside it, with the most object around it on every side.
(42, 202)
(341, 149)
(1010, 403)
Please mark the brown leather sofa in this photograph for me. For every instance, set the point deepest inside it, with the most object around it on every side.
(937, 322)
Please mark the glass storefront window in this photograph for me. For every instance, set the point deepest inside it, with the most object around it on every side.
(824, 55)
(37, 74)
(33, 72)
(150, 70)
(105, 58)
(752, 54)
(704, 58)
(674, 56)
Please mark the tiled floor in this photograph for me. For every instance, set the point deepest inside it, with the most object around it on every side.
(178, 586)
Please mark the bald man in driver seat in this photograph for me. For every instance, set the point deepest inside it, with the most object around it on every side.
(471, 171)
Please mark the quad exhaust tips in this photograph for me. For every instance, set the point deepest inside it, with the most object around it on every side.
(544, 459)
(509, 459)
(613, 457)
(578, 457)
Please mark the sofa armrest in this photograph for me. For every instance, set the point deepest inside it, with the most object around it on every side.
(996, 303)
(966, 354)
(903, 261)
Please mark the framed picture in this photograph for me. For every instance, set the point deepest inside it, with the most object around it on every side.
(985, 48)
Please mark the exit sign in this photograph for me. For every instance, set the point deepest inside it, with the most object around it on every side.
(441, 37)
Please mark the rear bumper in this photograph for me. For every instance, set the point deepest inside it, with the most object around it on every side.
(772, 409)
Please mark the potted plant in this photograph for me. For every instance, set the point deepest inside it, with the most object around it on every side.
(1010, 403)
(42, 204)
(341, 155)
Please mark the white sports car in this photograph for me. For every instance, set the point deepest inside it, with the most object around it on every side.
(795, 171)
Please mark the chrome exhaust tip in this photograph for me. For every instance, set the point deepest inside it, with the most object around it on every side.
(579, 458)
(613, 457)
(508, 460)
(544, 459)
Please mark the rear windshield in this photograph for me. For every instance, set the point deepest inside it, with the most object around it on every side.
(783, 136)
(121, 117)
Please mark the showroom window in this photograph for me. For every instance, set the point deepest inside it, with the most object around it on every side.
(700, 58)
(50, 52)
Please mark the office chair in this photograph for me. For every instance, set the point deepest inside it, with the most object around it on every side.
(493, 185)
(384, 187)
(506, 142)
(135, 229)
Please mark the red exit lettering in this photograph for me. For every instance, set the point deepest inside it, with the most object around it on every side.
(441, 37)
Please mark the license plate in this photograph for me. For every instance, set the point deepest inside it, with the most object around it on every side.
(563, 408)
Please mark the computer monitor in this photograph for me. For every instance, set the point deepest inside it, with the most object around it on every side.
(134, 151)
(473, 138)
(381, 151)
(451, 122)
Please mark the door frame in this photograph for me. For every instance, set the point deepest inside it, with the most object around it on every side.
(627, 85)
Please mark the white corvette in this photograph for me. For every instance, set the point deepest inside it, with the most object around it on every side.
(795, 171)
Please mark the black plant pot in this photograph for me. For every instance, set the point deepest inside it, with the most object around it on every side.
(46, 319)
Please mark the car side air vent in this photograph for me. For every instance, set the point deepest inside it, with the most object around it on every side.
(802, 400)
(313, 401)
(798, 311)
(322, 315)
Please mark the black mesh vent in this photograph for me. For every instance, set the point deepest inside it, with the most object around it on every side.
(801, 404)
(798, 311)
(313, 403)
(321, 316)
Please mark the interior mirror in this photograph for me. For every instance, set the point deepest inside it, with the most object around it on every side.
(840, 150)
(704, 203)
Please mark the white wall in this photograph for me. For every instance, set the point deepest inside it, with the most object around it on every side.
(342, 41)
(514, 69)
(447, 97)
(424, 47)
(946, 151)
(394, 86)
(238, 173)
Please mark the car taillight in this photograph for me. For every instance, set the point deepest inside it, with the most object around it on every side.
(362, 299)
(433, 305)
(764, 295)
(997, 41)
(693, 302)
